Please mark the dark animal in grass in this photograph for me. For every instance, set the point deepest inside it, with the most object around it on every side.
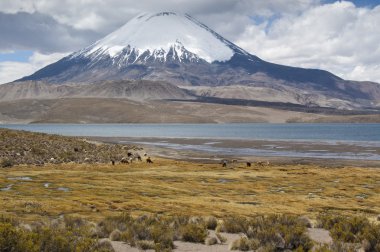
(224, 163)
(149, 161)
(124, 161)
(248, 164)
(138, 157)
(113, 162)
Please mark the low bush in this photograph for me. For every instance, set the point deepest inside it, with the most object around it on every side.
(115, 235)
(234, 225)
(193, 233)
(354, 230)
(211, 222)
(145, 245)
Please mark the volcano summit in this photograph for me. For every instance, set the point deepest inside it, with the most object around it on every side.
(175, 48)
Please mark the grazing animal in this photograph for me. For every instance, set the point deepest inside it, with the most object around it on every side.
(124, 161)
(149, 161)
(224, 163)
(113, 162)
(262, 163)
(248, 164)
(138, 157)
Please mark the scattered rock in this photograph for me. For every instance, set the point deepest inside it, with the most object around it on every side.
(211, 241)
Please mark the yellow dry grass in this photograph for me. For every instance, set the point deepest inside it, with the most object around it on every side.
(185, 188)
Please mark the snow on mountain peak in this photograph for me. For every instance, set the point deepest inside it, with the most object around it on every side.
(160, 33)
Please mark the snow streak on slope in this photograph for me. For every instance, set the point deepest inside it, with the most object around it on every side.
(159, 34)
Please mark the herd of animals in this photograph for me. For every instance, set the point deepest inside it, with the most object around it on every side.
(137, 157)
(133, 157)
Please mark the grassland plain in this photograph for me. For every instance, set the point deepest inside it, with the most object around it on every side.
(179, 187)
(77, 203)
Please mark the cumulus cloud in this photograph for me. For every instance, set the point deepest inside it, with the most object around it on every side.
(104, 16)
(10, 71)
(339, 37)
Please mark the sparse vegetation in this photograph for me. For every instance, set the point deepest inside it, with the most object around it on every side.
(146, 193)
(48, 238)
(21, 147)
(6, 163)
(193, 233)
(351, 230)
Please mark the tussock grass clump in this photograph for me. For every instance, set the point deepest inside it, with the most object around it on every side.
(234, 225)
(115, 235)
(109, 224)
(211, 222)
(346, 230)
(140, 231)
(47, 238)
(194, 233)
(279, 231)
(145, 245)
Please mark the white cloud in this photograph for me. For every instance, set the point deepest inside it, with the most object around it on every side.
(10, 71)
(338, 37)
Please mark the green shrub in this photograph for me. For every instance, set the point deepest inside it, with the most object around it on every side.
(193, 233)
(15, 240)
(282, 231)
(162, 236)
(371, 238)
(345, 229)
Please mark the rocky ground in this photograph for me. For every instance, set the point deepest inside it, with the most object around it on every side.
(21, 147)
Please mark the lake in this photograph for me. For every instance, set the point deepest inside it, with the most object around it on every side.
(304, 132)
(340, 141)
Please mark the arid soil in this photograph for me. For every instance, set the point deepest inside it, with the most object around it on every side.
(103, 110)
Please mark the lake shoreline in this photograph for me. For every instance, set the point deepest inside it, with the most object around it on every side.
(332, 153)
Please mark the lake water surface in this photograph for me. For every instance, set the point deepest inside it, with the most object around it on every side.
(343, 141)
(257, 131)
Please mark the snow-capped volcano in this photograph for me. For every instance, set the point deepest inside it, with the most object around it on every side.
(178, 49)
(161, 36)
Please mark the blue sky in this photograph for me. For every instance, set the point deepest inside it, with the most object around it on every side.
(360, 3)
(17, 56)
